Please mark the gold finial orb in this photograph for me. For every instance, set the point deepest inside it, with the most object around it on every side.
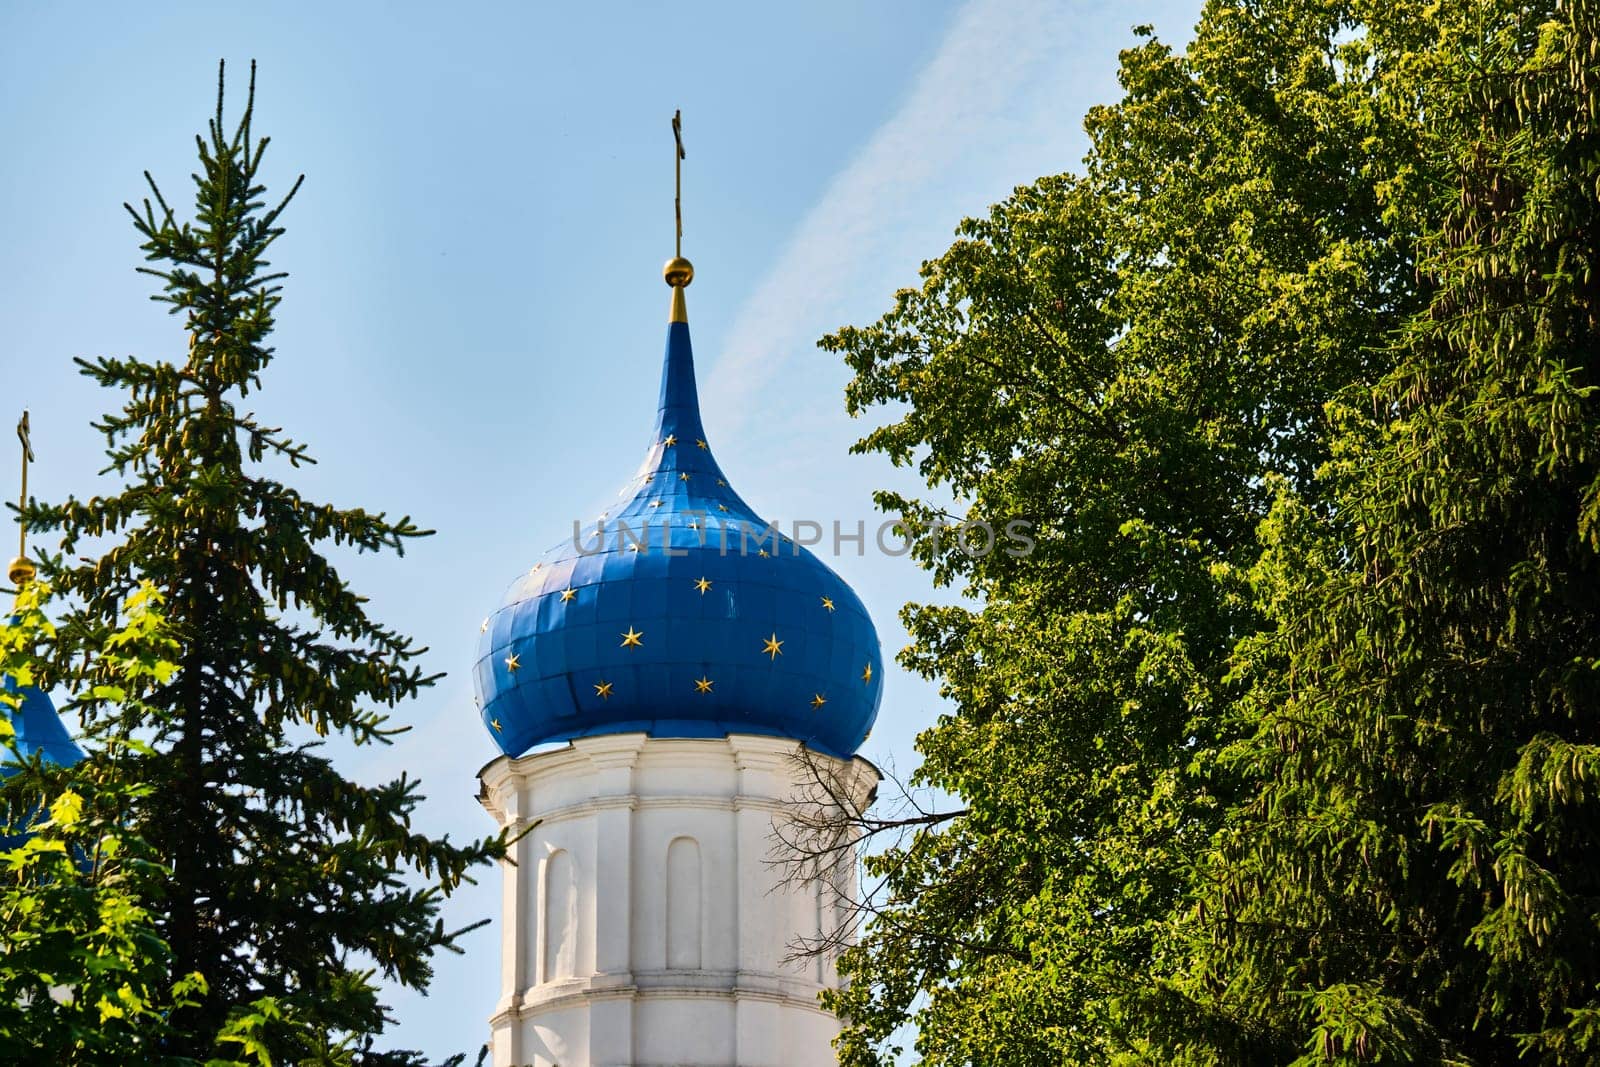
(21, 571)
(678, 272)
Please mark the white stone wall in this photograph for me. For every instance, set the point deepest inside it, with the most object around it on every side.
(644, 924)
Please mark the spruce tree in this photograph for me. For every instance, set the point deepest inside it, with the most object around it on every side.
(1416, 878)
(289, 881)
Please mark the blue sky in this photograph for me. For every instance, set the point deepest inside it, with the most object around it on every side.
(472, 328)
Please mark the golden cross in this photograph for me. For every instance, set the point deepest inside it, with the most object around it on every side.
(27, 457)
(677, 167)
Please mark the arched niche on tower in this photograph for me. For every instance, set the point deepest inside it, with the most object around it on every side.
(558, 917)
(820, 930)
(684, 904)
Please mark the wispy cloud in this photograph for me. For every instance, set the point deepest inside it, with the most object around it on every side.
(998, 105)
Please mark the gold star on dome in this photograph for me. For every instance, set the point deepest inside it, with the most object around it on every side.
(699, 443)
(631, 639)
(702, 685)
(818, 700)
(721, 482)
(703, 584)
(513, 662)
(722, 507)
(655, 503)
(683, 476)
(536, 568)
(484, 628)
(567, 594)
(762, 553)
(603, 690)
(773, 647)
(670, 440)
(496, 724)
(866, 675)
(827, 603)
(650, 477)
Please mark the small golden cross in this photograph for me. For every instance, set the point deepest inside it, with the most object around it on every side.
(27, 457)
(677, 167)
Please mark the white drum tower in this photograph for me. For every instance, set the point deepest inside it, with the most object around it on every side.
(646, 920)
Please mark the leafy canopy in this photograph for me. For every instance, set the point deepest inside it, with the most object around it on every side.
(1276, 748)
(84, 975)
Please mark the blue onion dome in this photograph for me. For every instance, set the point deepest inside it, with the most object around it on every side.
(36, 727)
(680, 612)
(39, 729)
(39, 732)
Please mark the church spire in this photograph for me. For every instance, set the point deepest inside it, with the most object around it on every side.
(678, 272)
(35, 725)
(681, 613)
(22, 571)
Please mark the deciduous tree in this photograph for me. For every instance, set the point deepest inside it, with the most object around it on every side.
(1132, 359)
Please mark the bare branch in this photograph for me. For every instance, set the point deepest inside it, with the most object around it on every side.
(818, 842)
